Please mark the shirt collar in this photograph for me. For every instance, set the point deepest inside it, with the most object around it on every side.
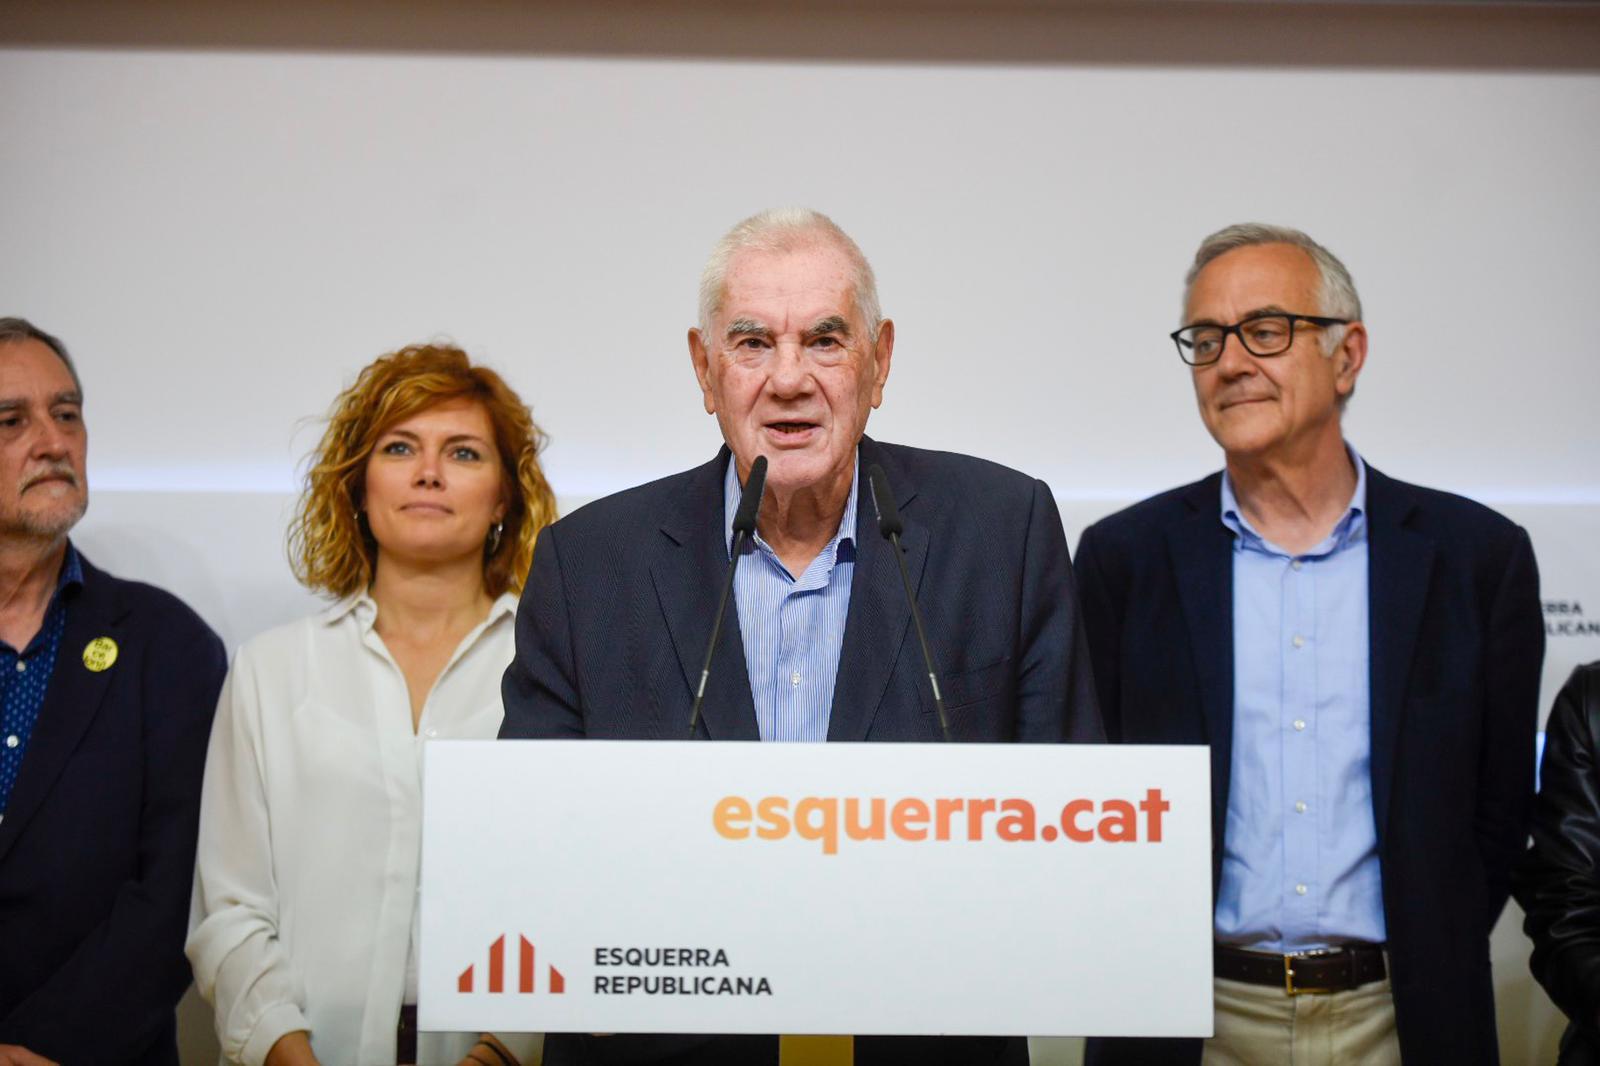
(1350, 527)
(68, 580)
(359, 603)
(365, 608)
(71, 576)
(731, 490)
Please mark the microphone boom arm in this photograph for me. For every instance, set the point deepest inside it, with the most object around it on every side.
(744, 525)
(890, 526)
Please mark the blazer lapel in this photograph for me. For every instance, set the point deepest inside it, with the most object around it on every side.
(688, 573)
(879, 615)
(70, 704)
(1201, 548)
(1399, 564)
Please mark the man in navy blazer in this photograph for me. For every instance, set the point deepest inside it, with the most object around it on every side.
(107, 688)
(1363, 657)
(791, 354)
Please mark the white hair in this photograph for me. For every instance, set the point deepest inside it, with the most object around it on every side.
(782, 229)
(1337, 295)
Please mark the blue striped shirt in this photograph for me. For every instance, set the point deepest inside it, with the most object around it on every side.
(792, 627)
(1300, 861)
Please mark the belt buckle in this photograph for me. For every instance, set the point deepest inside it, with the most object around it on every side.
(1289, 985)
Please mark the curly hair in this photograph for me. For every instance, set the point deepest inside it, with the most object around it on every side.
(330, 548)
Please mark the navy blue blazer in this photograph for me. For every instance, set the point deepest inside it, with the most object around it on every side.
(97, 843)
(622, 596)
(1457, 639)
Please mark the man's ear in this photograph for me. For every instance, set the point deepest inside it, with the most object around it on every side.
(882, 356)
(1349, 357)
(702, 369)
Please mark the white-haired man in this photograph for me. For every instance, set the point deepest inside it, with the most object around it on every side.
(1363, 657)
(791, 355)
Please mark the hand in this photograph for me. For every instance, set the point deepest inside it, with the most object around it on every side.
(292, 1049)
(488, 1051)
(12, 1055)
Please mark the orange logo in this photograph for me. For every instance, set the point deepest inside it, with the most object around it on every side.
(556, 984)
(831, 820)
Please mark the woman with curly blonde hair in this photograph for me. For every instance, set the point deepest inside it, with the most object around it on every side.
(419, 515)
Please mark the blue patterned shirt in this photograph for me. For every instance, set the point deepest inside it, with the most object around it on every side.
(25, 677)
(792, 627)
(1300, 861)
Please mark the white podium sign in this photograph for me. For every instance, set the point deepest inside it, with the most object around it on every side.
(611, 886)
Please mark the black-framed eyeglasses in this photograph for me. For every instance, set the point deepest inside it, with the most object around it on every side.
(1261, 335)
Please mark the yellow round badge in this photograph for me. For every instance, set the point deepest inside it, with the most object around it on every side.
(100, 653)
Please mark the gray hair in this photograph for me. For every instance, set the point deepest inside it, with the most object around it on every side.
(13, 330)
(1337, 295)
(782, 229)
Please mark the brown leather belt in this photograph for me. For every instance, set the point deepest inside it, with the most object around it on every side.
(1337, 969)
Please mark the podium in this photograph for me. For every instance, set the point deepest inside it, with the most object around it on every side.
(731, 887)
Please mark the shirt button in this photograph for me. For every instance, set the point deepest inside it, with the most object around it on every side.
(21, 666)
(794, 678)
(1301, 890)
(1294, 564)
(430, 732)
(1298, 641)
(12, 741)
(1299, 725)
(1300, 807)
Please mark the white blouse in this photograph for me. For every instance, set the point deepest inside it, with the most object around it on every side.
(310, 833)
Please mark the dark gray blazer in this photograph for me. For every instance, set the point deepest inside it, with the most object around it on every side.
(620, 603)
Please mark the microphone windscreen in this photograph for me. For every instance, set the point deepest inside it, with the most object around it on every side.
(744, 519)
(889, 523)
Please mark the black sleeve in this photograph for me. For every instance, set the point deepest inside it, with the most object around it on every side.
(1558, 880)
(1511, 720)
(540, 688)
(1102, 628)
(1055, 695)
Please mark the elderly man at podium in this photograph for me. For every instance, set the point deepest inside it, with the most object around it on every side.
(791, 355)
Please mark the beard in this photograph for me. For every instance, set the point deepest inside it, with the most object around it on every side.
(49, 524)
(50, 519)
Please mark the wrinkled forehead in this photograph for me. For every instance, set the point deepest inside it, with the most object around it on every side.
(791, 289)
(29, 367)
(1253, 278)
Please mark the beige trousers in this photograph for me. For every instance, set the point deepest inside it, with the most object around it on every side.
(1258, 1025)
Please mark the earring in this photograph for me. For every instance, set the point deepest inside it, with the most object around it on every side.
(494, 537)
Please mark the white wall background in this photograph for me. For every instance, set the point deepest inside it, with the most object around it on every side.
(225, 237)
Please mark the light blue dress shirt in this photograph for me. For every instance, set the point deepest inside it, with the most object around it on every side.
(1300, 863)
(792, 627)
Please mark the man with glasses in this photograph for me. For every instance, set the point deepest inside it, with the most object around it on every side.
(1362, 656)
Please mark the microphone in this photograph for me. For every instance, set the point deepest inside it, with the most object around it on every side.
(744, 525)
(891, 527)
(744, 519)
